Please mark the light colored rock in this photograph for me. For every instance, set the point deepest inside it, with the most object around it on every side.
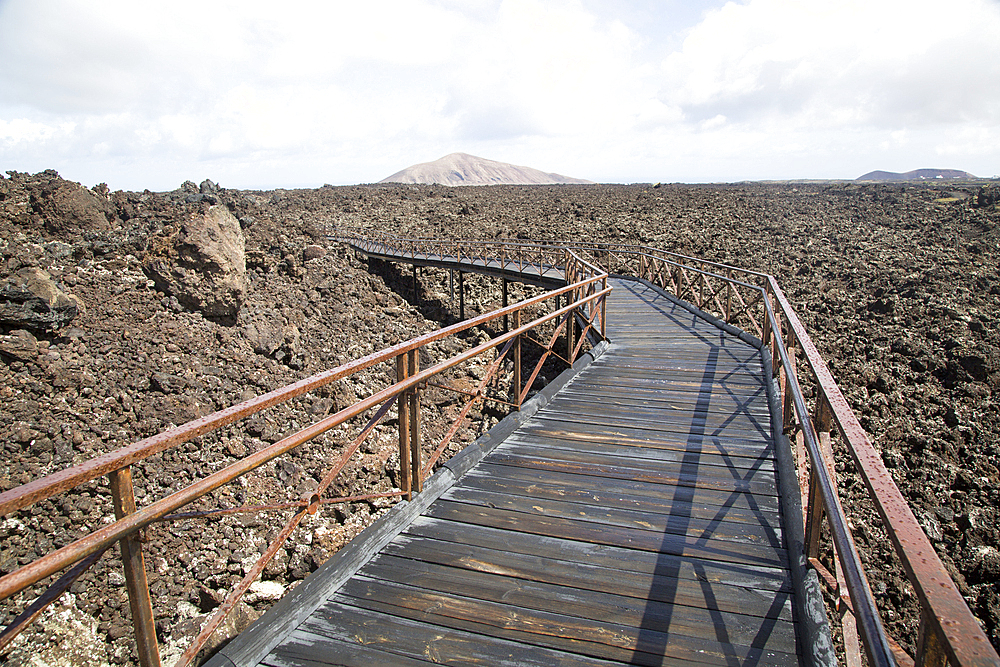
(185, 632)
(265, 333)
(204, 264)
(264, 590)
(72, 641)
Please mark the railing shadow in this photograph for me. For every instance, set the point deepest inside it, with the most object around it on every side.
(655, 632)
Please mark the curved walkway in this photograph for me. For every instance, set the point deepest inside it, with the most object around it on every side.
(634, 519)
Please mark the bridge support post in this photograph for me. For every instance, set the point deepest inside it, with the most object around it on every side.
(461, 295)
(506, 328)
(451, 286)
(123, 498)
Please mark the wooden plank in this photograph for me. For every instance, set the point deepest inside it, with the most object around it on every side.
(308, 650)
(699, 418)
(753, 406)
(435, 565)
(583, 449)
(746, 400)
(606, 640)
(718, 394)
(693, 429)
(481, 596)
(678, 523)
(461, 540)
(666, 474)
(749, 526)
(686, 421)
(607, 372)
(420, 640)
(641, 435)
(597, 533)
(627, 493)
(673, 368)
(665, 449)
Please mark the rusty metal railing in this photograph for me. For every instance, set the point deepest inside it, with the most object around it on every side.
(753, 301)
(581, 318)
(530, 258)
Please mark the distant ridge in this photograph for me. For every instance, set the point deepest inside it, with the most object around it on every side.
(915, 175)
(465, 169)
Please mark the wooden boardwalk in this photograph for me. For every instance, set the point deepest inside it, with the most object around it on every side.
(634, 519)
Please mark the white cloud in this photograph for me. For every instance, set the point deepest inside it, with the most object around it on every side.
(887, 63)
(26, 131)
(149, 94)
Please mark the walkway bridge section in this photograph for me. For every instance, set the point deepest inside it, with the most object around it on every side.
(634, 519)
(669, 498)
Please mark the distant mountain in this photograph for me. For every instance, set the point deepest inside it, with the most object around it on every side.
(465, 169)
(915, 175)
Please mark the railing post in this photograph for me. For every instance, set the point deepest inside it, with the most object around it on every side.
(930, 652)
(814, 506)
(766, 335)
(516, 380)
(123, 497)
(403, 408)
(852, 647)
(416, 481)
(570, 333)
(604, 310)
(787, 410)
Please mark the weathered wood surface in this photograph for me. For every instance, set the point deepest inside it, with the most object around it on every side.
(633, 520)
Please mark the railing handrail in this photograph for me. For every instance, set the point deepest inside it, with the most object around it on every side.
(352, 233)
(108, 535)
(584, 294)
(932, 582)
(45, 487)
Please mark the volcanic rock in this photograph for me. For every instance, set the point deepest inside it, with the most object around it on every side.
(19, 345)
(32, 300)
(312, 252)
(265, 333)
(203, 265)
(69, 209)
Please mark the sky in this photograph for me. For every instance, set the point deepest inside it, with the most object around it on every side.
(257, 94)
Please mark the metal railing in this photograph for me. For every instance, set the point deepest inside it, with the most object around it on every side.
(753, 301)
(529, 258)
(581, 318)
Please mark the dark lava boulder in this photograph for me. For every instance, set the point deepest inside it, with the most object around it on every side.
(30, 299)
(67, 209)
